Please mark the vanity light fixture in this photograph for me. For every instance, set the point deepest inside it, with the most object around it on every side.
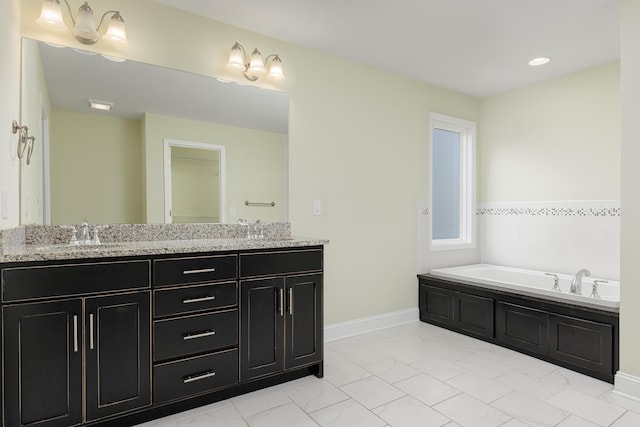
(100, 105)
(255, 67)
(84, 27)
(539, 61)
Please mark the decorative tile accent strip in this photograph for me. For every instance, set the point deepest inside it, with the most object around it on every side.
(548, 211)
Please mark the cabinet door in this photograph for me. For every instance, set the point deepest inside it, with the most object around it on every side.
(522, 327)
(261, 327)
(473, 314)
(582, 343)
(303, 328)
(436, 305)
(43, 364)
(117, 342)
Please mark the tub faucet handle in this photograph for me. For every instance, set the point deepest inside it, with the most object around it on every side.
(556, 282)
(594, 289)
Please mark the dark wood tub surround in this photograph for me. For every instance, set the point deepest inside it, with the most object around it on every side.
(580, 338)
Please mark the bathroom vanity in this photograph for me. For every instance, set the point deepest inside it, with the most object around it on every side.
(122, 333)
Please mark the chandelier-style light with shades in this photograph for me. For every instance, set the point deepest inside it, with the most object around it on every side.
(84, 27)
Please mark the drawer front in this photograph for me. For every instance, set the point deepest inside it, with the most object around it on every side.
(194, 376)
(194, 269)
(190, 299)
(194, 334)
(281, 262)
(23, 283)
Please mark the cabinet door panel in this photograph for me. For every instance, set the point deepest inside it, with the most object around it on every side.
(43, 364)
(582, 343)
(436, 305)
(304, 320)
(522, 327)
(474, 314)
(118, 359)
(262, 322)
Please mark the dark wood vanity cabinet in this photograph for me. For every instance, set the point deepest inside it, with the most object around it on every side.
(121, 341)
(281, 322)
(74, 353)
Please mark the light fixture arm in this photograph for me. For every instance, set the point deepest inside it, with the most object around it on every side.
(116, 14)
(70, 12)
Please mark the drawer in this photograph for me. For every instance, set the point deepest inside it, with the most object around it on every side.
(280, 262)
(190, 299)
(194, 334)
(23, 283)
(195, 375)
(194, 269)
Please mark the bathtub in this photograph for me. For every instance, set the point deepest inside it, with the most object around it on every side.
(534, 283)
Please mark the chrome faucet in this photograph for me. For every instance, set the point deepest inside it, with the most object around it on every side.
(576, 282)
(85, 239)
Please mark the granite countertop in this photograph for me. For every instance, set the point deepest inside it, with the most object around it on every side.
(45, 252)
(46, 242)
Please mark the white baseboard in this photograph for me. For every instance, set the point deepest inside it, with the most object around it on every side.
(627, 385)
(339, 331)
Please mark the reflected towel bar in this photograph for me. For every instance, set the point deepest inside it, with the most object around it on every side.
(248, 203)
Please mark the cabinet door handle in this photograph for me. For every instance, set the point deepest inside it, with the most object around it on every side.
(202, 270)
(200, 299)
(75, 333)
(291, 301)
(281, 302)
(198, 377)
(91, 331)
(198, 335)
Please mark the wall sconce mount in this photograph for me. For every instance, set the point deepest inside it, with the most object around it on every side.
(84, 27)
(255, 67)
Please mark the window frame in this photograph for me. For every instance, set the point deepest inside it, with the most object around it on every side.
(467, 223)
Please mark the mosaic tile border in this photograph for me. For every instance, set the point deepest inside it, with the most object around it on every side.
(615, 212)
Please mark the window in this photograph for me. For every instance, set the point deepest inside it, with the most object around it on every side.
(452, 183)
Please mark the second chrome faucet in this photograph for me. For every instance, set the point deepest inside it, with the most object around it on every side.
(576, 282)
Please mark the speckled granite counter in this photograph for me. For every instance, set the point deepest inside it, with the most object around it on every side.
(42, 243)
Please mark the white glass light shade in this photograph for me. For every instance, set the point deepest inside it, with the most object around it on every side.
(116, 32)
(256, 65)
(51, 15)
(236, 58)
(85, 29)
(275, 70)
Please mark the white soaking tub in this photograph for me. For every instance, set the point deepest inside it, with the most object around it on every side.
(534, 283)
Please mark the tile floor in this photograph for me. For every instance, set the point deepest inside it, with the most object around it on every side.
(422, 375)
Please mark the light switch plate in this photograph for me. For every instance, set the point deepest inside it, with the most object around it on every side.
(317, 207)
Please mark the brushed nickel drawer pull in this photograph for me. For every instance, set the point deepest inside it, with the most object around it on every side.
(91, 331)
(281, 302)
(75, 333)
(198, 335)
(200, 299)
(198, 377)
(202, 270)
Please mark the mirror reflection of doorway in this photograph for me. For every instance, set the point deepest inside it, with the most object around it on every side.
(194, 182)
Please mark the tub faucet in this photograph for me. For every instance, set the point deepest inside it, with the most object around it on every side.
(576, 282)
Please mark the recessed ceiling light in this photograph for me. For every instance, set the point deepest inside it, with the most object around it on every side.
(539, 61)
(100, 105)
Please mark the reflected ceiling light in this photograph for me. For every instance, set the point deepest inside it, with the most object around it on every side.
(255, 67)
(100, 105)
(84, 26)
(539, 61)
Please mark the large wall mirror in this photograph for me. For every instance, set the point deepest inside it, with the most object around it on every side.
(108, 166)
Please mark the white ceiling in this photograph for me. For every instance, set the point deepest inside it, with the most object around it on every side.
(478, 47)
